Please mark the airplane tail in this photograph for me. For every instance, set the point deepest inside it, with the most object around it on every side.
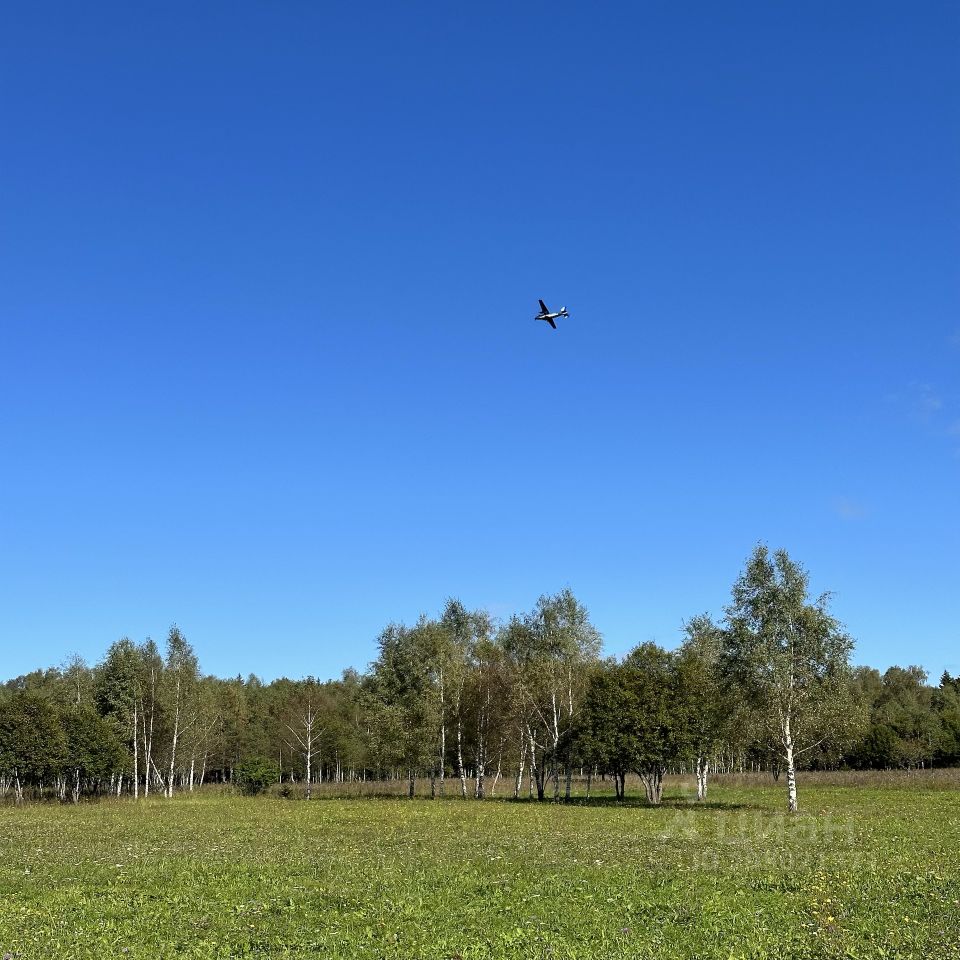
(563, 312)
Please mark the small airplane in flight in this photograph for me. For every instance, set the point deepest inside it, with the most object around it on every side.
(545, 314)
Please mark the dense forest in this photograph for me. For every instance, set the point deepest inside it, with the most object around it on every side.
(477, 708)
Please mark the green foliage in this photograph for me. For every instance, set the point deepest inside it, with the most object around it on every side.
(119, 681)
(402, 697)
(911, 724)
(712, 708)
(790, 661)
(462, 695)
(255, 775)
(32, 742)
(785, 653)
(93, 747)
(635, 717)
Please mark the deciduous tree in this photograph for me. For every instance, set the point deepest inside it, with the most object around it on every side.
(789, 658)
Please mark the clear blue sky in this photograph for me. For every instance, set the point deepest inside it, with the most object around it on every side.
(268, 366)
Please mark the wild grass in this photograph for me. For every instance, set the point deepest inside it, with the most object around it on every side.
(679, 785)
(865, 872)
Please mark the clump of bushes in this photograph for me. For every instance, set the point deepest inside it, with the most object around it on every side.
(255, 775)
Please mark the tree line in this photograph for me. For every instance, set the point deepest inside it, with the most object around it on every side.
(477, 708)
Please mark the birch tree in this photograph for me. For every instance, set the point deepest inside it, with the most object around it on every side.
(789, 658)
(306, 734)
(118, 695)
(180, 674)
(79, 678)
(205, 721)
(703, 689)
(403, 695)
(152, 668)
(461, 630)
(551, 651)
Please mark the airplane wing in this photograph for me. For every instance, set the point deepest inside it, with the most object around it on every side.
(543, 307)
(552, 324)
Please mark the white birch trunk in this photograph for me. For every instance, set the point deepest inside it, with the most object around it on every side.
(148, 740)
(173, 746)
(443, 737)
(136, 752)
(556, 747)
(791, 767)
(518, 786)
(537, 773)
(496, 776)
(460, 767)
(703, 768)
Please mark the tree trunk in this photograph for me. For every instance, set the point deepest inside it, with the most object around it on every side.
(159, 776)
(173, 745)
(481, 770)
(496, 776)
(443, 737)
(791, 768)
(136, 751)
(518, 785)
(653, 784)
(555, 759)
(148, 740)
(460, 768)
(537, 771)
(703, 768)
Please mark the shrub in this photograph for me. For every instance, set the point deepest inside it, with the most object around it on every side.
(255, 775)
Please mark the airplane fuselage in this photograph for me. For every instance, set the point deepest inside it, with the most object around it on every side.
(547, 314)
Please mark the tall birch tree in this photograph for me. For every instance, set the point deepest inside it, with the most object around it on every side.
(551, 651)
(789, 658)
(180, 674)
(306, 733)
(701, 686)
(118, 695)
(461, 631)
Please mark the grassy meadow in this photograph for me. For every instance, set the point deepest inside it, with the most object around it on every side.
(869, 868)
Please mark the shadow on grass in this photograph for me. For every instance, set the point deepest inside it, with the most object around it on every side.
(631, 802)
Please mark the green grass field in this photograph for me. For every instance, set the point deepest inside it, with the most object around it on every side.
(862, 872)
